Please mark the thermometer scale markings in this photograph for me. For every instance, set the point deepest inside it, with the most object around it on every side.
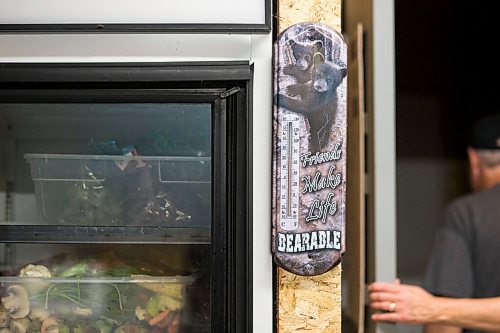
(290, 172)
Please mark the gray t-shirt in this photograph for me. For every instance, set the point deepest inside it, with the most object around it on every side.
(465, 259)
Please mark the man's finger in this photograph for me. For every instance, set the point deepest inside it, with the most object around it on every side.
(383, 286)
(383, 306)
(381, 296)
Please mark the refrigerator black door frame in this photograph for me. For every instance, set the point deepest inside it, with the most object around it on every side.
(228, 87)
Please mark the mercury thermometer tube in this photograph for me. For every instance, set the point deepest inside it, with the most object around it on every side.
(289, 179)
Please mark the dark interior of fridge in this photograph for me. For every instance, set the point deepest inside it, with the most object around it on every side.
(125, 197)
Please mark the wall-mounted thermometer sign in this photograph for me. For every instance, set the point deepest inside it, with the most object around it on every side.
(309, 148)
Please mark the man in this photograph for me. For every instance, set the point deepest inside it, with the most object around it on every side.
(465, 260)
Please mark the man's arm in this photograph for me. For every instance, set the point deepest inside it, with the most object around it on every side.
(414, 305)
(477, 313)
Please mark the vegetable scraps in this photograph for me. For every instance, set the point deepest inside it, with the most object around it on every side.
(70, 303)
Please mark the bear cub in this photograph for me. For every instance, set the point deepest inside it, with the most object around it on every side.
(318, 98)
(303, 54)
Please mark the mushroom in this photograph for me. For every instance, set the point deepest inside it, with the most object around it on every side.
(19, 325)
(83, 312)
(4, 318)
(141, 313)
(35, 271)
(38, 314)
(16, 303)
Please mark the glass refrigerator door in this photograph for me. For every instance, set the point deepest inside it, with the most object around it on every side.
(115, 214)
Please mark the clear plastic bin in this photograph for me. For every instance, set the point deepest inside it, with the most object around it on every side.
(132, 304)
(105, 190)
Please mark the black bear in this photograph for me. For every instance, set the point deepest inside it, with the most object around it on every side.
(303, 53)
(318, 98)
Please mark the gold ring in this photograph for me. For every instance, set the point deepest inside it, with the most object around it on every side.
(392, 307)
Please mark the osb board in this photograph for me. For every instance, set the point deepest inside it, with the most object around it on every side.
(310, 304)
(295, 11)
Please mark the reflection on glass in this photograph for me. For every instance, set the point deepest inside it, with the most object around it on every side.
(105, 164)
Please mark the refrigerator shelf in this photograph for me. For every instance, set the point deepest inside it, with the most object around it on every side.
(103, 234)
(143, 280)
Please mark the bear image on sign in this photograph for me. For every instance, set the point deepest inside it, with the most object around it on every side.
(316, 83)
(303, 54)
(309, 148)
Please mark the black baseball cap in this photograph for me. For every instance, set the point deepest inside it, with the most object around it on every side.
(485, 133)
